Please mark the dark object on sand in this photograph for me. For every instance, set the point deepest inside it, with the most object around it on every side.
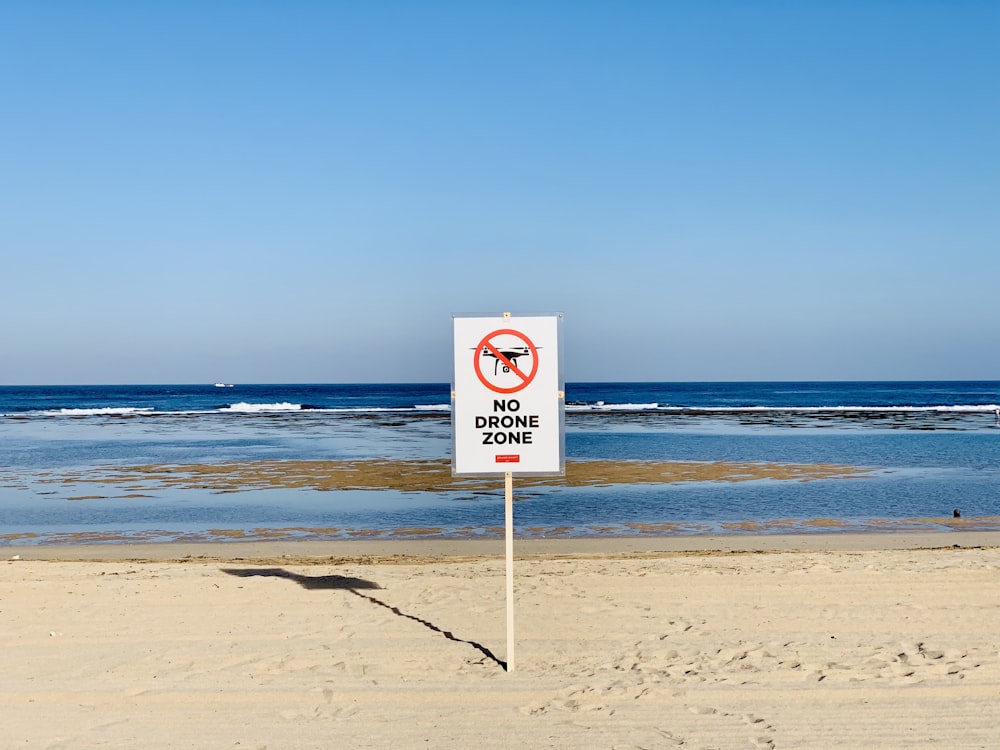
(957, 513)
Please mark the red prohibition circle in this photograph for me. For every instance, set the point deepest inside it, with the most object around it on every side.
(507, 362)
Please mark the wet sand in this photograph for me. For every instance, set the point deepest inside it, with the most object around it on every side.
(443, 550)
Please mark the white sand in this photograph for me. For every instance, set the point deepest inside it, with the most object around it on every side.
(851, 648)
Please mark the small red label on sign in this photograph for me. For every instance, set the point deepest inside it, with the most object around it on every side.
(508, 458)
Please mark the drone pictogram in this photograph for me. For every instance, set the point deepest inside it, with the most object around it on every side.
(505, 347)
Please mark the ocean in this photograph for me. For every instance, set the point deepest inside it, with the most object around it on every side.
(69, 458)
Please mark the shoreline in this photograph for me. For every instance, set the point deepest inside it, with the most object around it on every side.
(445, 550)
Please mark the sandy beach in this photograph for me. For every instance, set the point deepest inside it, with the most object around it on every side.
(812, 641)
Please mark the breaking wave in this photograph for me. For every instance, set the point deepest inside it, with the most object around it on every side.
(104, 410)
(246, 408)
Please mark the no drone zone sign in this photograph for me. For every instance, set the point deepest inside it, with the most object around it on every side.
(507, 410)
(507, 400)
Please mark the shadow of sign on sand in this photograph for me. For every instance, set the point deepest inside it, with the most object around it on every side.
(355, 586)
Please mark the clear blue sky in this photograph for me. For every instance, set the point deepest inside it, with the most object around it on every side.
(304, 191)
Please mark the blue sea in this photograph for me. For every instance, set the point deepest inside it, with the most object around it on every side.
(930, 448)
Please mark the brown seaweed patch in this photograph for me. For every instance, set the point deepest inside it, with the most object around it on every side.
(310, 530)
(100, 537)
(431, 476)
(17, 537)
(555, 531)
(228, 533)
(741, 526)
(663, 472)
(654, 528)
(823, 522)
(434, 475)
(780, 523)
(267, 533)
(417, 531)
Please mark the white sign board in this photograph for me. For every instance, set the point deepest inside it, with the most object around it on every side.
(507, 400)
